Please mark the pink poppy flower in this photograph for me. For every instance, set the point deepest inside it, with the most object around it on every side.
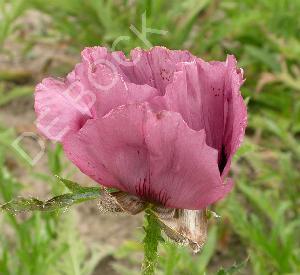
(162, 126)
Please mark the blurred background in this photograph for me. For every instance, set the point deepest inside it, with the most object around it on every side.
(258, 232)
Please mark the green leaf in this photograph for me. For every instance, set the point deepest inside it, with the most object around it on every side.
(208, 250)
(151, 242)
(75, 187)
(79, 194)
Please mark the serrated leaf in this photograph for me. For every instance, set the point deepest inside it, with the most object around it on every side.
(62, 201)
(74, 187)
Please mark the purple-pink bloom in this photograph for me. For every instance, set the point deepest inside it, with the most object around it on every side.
(163, 125)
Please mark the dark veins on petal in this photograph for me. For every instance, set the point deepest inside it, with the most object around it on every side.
(144, 191)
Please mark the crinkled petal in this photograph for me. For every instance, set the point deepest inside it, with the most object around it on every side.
(197, 93)
(92, 90)
(100, 73)
(61, 108)
(154, 67)
(184, 169)
(207, 96)
(154, 156)
(176, 150)
(235, 114)
(111, 149)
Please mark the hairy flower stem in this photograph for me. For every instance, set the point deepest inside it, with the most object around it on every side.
(151, 241)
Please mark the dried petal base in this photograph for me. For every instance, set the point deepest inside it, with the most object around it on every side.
(185, 227)
(118, 202)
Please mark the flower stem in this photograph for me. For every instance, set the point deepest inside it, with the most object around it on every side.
(151, 241)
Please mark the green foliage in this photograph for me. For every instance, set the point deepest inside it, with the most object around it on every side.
(87, 23)
(9, 12)
(14, 94)
(45, 242)
(176, 260)
(61, 201)
(179, 260)
(268, 228)
(151, 242)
